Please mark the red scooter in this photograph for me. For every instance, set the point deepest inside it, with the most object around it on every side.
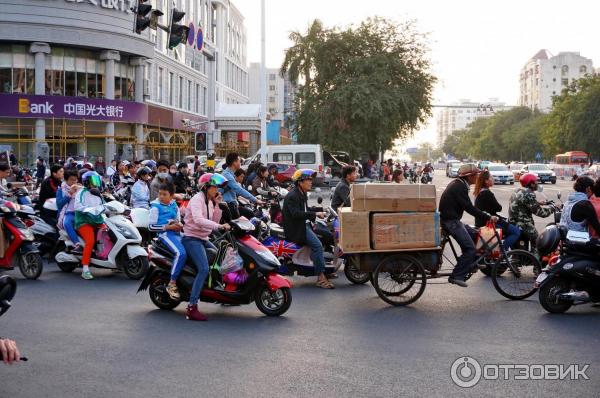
(258, 281)
(20, 244)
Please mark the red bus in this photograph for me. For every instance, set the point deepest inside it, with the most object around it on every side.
(569, 163)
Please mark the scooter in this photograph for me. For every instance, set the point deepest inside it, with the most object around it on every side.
(575, 279)
(116, 248)
(21, 248)
(260, 282)
(46, 235)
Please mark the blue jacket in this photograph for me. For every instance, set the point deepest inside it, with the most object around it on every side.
(161, 214)
(140, 195)
(234, 189)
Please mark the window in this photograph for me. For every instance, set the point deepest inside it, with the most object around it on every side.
(197, 106)
(180, 87)
(565, 82)
(204, 100)
(305, 158)
(582, 69)
(284, 157)
(171, 84)
(564, 70)
(271, 88)
(160, 84)
(189, 95)
(272, 76)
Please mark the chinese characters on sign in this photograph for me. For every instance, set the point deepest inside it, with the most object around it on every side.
(93, 110)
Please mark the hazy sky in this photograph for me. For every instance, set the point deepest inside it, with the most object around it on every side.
(477, 48)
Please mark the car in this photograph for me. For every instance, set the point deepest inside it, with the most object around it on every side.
(484, 164)
(450, 165)
(501, 173)
(516, 166)
(285, 171)
(542, 171)
(453, 170)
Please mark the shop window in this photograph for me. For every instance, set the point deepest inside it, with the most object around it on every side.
(81, 84)
(19, 80)
(92, 85)
(130, 84)
(70, 83)
(118, 87)
(5, 80)
(30, 78)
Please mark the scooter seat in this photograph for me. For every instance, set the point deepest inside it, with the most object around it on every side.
(277, 231)
(164, 250)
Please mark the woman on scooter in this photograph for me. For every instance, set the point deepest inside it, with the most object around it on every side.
(165, 218)
(65, 200)
(486, 201)
(140, 192)
(202, 217)
(88, 216)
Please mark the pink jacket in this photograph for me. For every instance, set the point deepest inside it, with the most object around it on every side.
(201, 219)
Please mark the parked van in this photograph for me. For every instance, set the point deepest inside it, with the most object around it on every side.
(304, 156)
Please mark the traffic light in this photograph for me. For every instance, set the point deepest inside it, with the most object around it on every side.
(141, 20)
(177, 33)
(200, 142)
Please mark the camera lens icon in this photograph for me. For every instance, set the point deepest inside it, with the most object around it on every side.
(465, 372)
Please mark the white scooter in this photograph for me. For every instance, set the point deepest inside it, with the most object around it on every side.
(126, 253)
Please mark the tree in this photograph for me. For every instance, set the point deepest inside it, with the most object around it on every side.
(360, 88)
(574, 122)
(426, 153)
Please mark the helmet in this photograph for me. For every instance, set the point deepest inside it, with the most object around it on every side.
(468, 169)
(143, 171)
(149, 163)
(212, 180)
(548, 240)
(91, 179)
(527, 179)
(303, 174)
(88, 166)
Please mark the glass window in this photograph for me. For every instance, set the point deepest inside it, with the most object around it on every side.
(582, 69)
(181, 88)
(197, 103)
(565, 69)
(171, 84)
(70, 83)
(204, 100)
(5, 69)
(284, 157)
(189, 95)
(160, 84)
(118, 80)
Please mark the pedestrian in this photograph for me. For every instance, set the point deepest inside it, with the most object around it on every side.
(100, 166)
(398, 176)
(111, 170)
(40, 173)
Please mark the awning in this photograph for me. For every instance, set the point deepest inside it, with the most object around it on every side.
(238, 117)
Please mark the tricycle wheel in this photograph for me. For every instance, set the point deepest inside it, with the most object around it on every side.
(353, 274)
(399, 280)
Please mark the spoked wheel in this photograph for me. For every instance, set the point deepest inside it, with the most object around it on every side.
(31, 265)
(158, 293)
(353, 274)
(489, 266)
(273, 303)
(399, 280)
(515, 279)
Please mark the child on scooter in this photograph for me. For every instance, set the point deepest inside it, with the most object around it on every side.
(165, 218)
(65, 201)
(88, 216)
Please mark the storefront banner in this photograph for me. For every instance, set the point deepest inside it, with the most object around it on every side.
(78, 108)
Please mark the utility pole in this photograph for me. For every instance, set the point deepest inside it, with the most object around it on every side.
(263, 79)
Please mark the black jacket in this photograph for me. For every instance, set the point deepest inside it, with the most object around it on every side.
(486, 201)
(295, 214)
(181, 182)
(455, 201)
(48, 191)
(341, 195)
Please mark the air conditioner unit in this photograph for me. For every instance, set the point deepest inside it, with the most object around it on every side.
(146, 87)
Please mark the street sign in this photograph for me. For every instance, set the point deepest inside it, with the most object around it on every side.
(538, 156)
(200, 39)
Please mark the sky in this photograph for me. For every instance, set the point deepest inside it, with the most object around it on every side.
(477, 48)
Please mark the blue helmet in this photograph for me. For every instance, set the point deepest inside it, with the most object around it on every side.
(91, 179)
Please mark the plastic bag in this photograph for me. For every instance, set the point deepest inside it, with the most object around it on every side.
(487, 236)
(232, 261)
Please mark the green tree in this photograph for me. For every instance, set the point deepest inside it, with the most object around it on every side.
(360, 88)
(574, 122)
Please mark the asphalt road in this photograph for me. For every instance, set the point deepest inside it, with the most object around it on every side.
(100, 339)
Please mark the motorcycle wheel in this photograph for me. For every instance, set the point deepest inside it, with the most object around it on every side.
(136, 267)
(273, 303)
(158, 293)
(66, 267)
(548, 295)
(354, 275)
(31, 265)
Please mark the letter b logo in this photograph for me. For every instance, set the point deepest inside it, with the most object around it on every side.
(23, 105)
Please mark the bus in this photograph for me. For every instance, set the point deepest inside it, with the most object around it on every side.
(569, 164)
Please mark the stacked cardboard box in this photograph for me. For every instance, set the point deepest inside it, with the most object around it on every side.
(389, 217)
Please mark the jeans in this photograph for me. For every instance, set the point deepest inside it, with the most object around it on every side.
(173, 241)
(512, 234)
(463, 234)
(69, 225)
(316, 249)
(196, 250)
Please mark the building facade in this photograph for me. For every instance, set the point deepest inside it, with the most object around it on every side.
(75, 80)
(545, 76)
(462, 113)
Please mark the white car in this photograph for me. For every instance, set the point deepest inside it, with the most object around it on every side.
(542, 171)
(453, 170)
(501, 173)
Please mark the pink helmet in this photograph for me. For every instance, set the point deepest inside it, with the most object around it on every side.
(204, 178)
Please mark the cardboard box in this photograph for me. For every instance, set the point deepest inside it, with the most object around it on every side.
(354, 230)
(391, 231)
(393, 197)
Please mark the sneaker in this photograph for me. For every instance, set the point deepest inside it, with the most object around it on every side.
(77, 249)
(192, 314)
(457, 282)
(87, 275)
(173, 291)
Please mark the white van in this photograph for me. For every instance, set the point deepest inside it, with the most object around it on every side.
(304, 156)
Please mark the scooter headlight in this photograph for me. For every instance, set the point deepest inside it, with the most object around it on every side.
(28, 234)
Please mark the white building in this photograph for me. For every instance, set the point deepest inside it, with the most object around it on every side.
(545, 75)
(459, 115)
(275, 90)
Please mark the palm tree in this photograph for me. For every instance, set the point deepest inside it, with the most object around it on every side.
(299, 59)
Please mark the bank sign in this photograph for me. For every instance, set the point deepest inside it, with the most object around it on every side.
(121, 5)
(78, 108)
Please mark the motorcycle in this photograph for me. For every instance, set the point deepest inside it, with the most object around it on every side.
(426, 178)
(21, 248)
(121, 250)
(575, 278)
(46, 234)
(270, 291)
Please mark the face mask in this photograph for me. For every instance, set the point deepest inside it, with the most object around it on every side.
(163, 175)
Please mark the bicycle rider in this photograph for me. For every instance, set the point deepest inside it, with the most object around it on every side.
(453, 203)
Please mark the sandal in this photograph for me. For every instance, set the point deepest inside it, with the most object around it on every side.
(325, 284)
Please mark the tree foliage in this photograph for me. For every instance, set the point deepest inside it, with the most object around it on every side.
(362, 87)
